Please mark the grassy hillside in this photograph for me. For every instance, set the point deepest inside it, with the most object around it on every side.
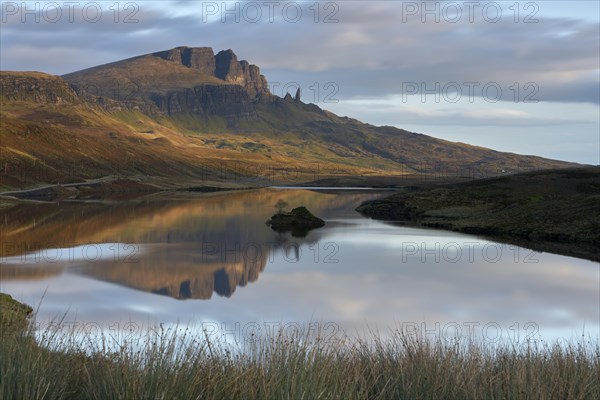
(552, 210)
(73, 140)
(137, 77)
(51, 134)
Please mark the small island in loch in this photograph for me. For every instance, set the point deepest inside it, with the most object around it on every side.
(299, 221)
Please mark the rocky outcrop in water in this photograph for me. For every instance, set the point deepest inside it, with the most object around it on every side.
(299, 221)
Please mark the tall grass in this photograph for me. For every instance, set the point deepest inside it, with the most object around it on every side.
(180, 364)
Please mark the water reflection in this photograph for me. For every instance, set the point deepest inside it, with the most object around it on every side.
(186, 249)
(352, 272)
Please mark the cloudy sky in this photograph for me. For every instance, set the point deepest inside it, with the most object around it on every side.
(519, 76)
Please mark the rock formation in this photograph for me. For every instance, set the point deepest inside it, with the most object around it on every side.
(230, 101)
(229, 69)
(200, 58)
(298, 221)
(37, 87)
(224, 66)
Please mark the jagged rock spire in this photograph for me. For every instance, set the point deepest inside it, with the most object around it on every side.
(297, 96)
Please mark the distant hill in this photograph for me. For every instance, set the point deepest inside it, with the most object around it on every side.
(187, 114)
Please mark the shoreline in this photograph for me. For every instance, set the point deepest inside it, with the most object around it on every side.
(556, 211)
(106, 185)
(507, 209)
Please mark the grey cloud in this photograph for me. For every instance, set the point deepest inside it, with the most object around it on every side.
(371, 51)
(462, 117)
(355, 83)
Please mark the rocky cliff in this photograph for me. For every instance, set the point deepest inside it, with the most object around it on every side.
(224, 66)
(182, 80)
(228, 68)
(37, 87)
(229, 101)
(200, 58)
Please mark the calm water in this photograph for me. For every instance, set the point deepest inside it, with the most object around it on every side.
(210, 261)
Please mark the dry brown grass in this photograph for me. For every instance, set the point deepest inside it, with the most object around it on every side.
(178, 364)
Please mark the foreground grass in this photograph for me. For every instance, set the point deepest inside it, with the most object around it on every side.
(176, 364)
(287, 369)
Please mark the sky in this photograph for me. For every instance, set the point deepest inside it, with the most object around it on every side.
(517, 76)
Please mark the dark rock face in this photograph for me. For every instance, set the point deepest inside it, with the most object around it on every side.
(224, 100)
(230, 101)
(227, 66)
(229, 69)
(200, 58)
(42, 89)
(224, 65)
(206, 84)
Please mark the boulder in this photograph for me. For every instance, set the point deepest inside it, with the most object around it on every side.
(299, 221)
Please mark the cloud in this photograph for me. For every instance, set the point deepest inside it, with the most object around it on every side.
(365, 50)
(393, 110)
(378, 46)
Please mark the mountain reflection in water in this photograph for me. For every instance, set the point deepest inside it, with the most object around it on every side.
(113, 265)
(185, 248)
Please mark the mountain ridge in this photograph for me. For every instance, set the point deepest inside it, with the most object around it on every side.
(164, 114)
